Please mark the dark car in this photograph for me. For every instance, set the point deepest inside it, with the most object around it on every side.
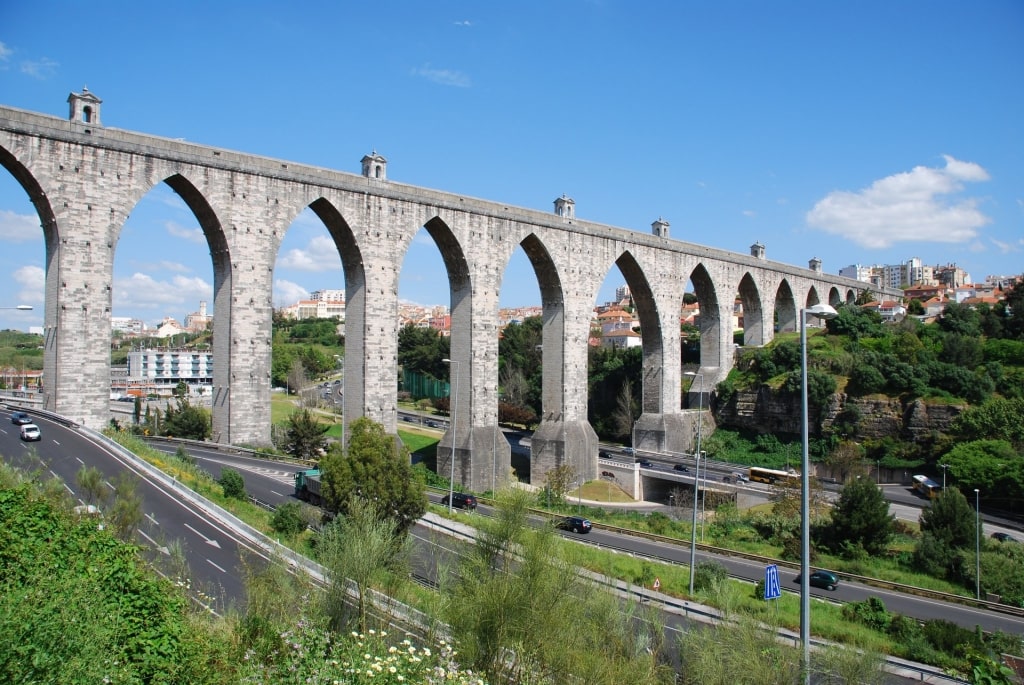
(645, 463)
(576, 524)
(681, 468)
(20, 418)
(822, 579)
(1003, 537)
(628, 451)
(460, 500)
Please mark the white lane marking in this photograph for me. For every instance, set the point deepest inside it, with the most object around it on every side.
(215, 566)
(159, 548)
(209, 541)
(150, 517)
(79, 459)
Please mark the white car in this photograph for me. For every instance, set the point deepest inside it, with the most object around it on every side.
(30, 431)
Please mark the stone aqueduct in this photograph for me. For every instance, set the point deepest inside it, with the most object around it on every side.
(85, 179)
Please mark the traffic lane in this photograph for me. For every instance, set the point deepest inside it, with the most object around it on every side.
(910, 605)
(213, 552)
(266, 480)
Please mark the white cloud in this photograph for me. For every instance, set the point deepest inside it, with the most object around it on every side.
(906, 207)
(319, 255)
(193, 235)
(464, 22)
(288, 293)
(1006, 248)
(41, 69)
(32, 280)
(5, 53)
(142, 291)
(19, 228)
(749, 213)
(444, 77)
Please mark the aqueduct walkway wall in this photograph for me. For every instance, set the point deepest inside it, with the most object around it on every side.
(85, 179)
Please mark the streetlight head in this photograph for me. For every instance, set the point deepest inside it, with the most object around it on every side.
(822, 311)
(24, 307)
(692, 373)
(447, 361)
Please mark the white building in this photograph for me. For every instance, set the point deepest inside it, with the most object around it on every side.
(162, 369)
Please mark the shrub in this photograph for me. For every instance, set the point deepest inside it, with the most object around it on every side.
(288, 519)
(658, 523)
(709, 574)
(234, 486)
(948, 637)
(871, 613)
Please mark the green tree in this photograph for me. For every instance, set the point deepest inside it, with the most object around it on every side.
(860, 520)
(519, 610)
(992, 466)
(232, 483)
(367, 547)
(996, 419)
(125, 512)
(377, 468)
(420, 350)
(90, 480)
(306, 437)
(187, 421)
(947, 528)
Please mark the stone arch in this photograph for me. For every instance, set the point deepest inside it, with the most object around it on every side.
(753, 312)
(553, 315)
(354, 274)
(710, 323)
(51, 239)
(652, 341)
(785, 308)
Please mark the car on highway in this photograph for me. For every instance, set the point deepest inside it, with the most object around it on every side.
(460, 500)
(735, 477)
(576, 524)
(823, 579)
(628, 451)
(681, 468)
(20, 418)
(30, 432)
(645, 463)
(1003, 537)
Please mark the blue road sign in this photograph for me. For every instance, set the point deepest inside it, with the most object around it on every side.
(772, 589)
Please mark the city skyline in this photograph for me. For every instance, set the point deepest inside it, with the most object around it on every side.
(864, 135)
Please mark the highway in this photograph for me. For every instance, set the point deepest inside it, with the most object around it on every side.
(214, 551)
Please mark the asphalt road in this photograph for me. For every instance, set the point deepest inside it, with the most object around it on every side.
(212, 551)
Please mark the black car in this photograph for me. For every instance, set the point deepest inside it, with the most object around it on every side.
(1003, 537)
(460, 500)
(576, 524)
(20, 418)
(681, 468)
(822, 579)
(645, 464)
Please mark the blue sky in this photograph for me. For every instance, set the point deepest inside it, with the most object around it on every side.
(857, 132)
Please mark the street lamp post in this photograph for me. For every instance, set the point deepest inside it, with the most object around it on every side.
(819, 311)
(454, 402)
(696, 479)
(977, 543)
(20, 307)
(341, 412)
(943, 467)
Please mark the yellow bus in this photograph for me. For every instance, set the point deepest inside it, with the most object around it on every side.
(927, 487)
(772, 476)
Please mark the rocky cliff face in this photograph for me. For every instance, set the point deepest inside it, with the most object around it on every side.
(765, 410)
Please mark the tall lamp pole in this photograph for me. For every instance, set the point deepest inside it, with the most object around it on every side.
(977, 543)
(943, 467)
(819, 311)
(696, 479)
(454, 402)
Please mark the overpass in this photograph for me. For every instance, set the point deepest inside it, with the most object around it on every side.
(84, 180)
